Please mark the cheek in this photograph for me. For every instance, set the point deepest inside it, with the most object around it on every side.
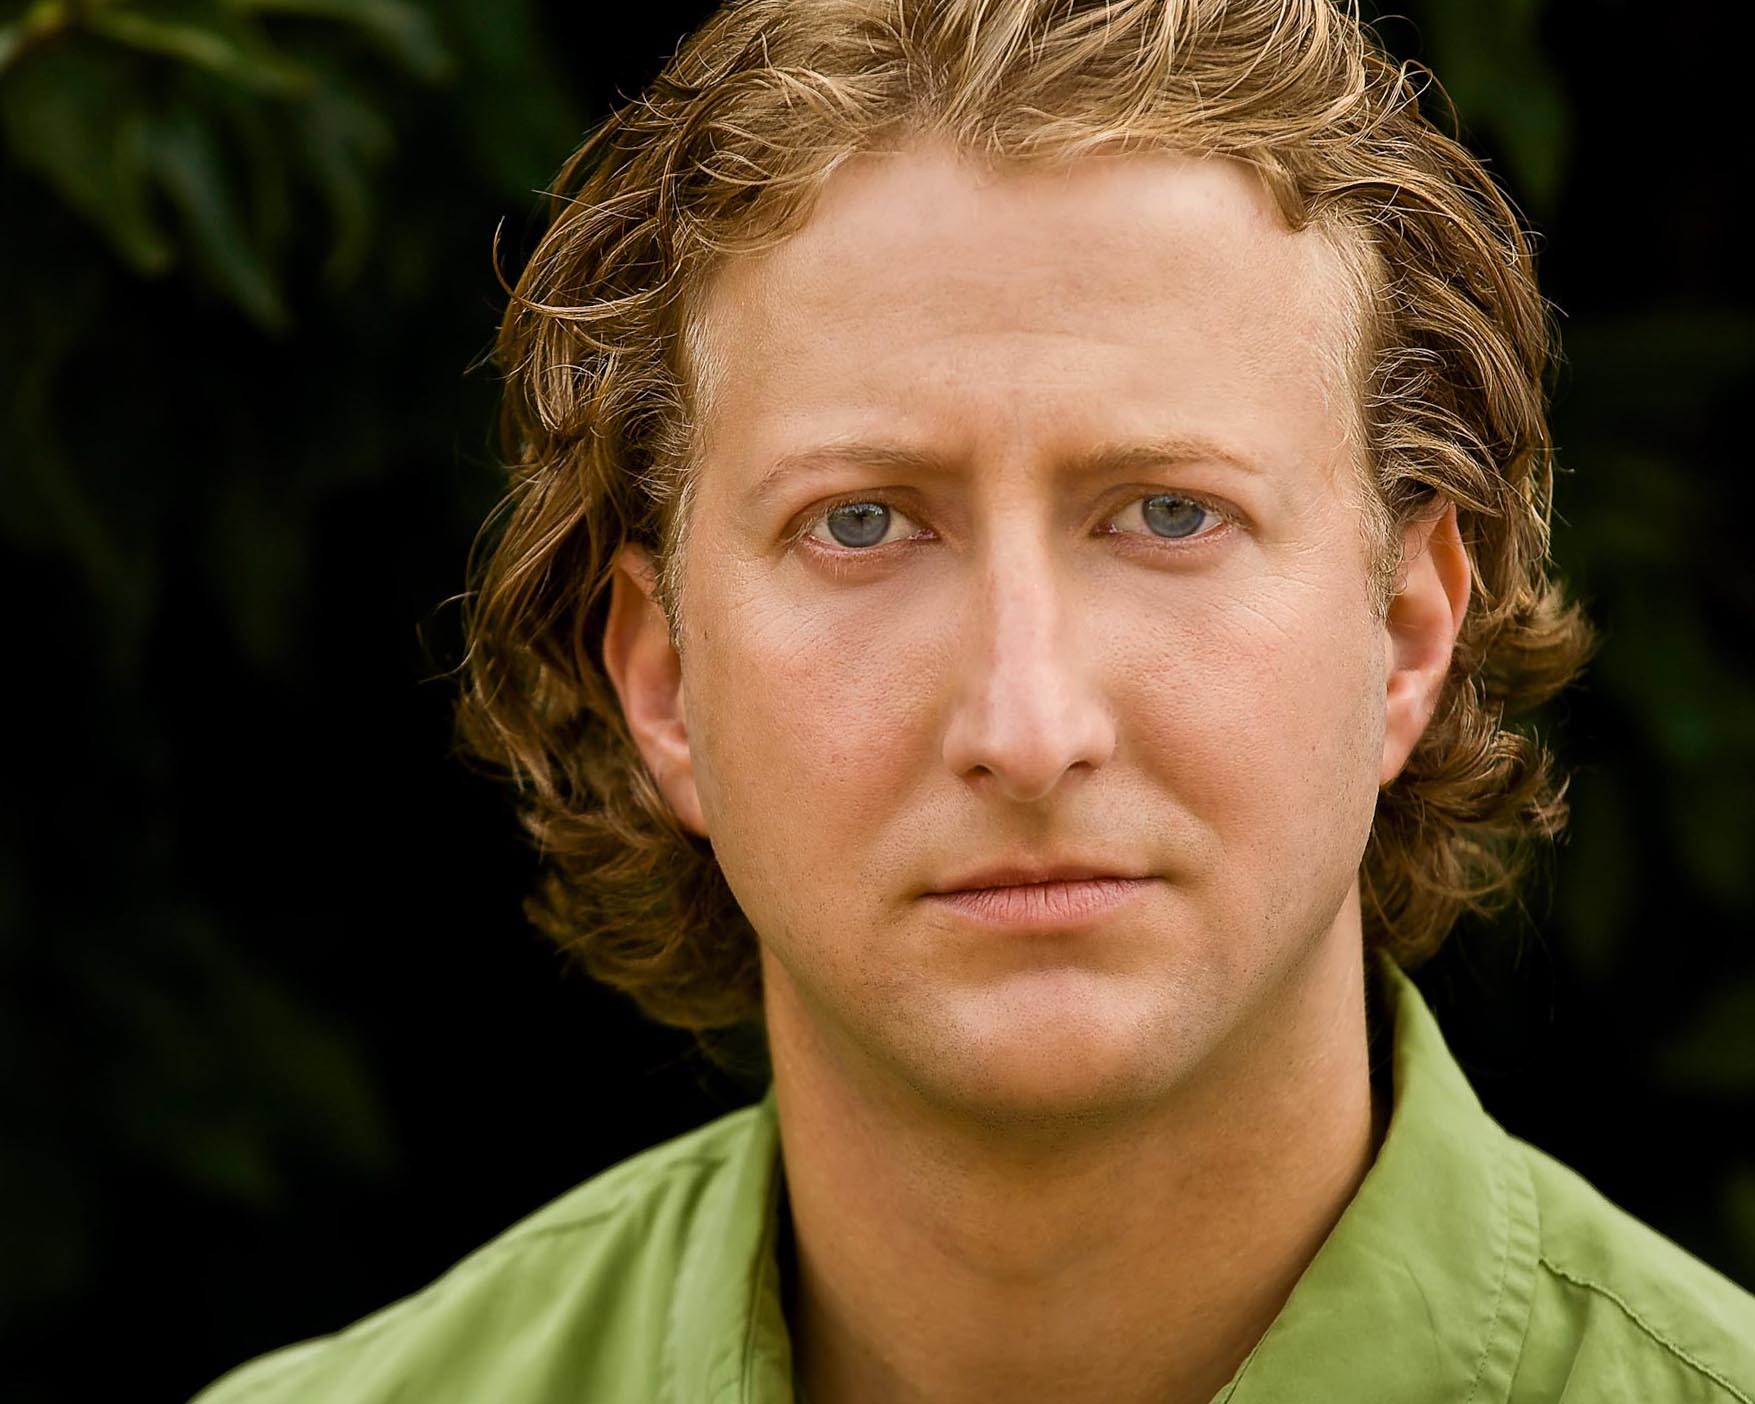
(1262, 712)
(811, 731)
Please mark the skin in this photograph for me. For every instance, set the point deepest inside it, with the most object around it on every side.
(1090, 1163)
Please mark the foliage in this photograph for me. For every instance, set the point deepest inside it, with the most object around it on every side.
(244, 265)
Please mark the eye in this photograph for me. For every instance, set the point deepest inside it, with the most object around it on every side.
(856, 525)
(861, 525)
(1170, 515)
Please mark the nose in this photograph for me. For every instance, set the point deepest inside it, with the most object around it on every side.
(1029, 705)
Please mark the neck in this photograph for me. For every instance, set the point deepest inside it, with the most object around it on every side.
(1137, 1260)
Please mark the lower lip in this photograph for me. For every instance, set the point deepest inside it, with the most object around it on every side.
(1044, 906)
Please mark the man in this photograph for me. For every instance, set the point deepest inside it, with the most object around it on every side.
(1028, 519)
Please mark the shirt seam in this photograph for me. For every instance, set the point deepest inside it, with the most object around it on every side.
(1523, 1242)
(764, 1257)
(416, 1303)
(1657, 1336)
(1502, 1201)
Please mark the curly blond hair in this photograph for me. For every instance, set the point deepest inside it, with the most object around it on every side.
(724, 153)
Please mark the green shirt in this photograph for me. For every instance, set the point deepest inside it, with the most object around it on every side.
(1469, 1267)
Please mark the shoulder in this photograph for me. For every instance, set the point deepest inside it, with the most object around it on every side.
(575, 1289)
(1618, 1306)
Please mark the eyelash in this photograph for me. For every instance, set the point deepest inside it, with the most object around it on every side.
(844, 554)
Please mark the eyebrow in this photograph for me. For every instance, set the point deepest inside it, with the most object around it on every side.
(1103, 461)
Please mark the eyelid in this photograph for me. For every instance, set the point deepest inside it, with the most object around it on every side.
(883, 497)
(1215, 509)
(888, 497)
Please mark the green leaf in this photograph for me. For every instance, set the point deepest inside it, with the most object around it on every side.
(46, 503)
(1716, 1053)
(256, 555)
(1667, 366)
(1739, 1215)
(1596, 878)
(191, 171)
(342, 139)
(223, 1078)
(1488, 57)
(401, 30)
(41, 20)
(75, 115)
(53, 1250)
(235, 53)
(256, 138)
(514, 106)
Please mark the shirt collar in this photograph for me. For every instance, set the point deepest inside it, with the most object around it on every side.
(726, 1340)
(1422, 1289)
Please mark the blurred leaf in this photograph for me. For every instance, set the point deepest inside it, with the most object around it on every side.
(1714, 830)
(1739, 1216)
(47, 506)
(204, 35)
(1597, 875)
(341, 139)
(52, 1247)
(1675, 677)
(515, 98)
(97, 125)
(262, 165)
(401, 30)
(257, 566)
(206, 1036)
(1716, 1053)
(1661, 368)
(74, 116)
(191, 170)
(1489, 57)
(41, 20)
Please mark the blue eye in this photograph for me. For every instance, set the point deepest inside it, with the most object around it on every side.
(1172, 516)
(861, 524)
(858, 523)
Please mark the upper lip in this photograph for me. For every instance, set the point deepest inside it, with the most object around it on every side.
(1017, 874)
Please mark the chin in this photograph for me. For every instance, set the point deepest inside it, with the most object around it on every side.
(1058, 1047)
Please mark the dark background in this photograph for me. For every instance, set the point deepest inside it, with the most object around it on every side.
(276, 1046)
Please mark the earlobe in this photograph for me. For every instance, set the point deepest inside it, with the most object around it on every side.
(1425, 617)
(646, 672)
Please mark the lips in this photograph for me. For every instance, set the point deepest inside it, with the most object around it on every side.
(1027, 873)
(1043, 905)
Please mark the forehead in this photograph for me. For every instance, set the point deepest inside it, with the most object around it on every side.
(926, 285)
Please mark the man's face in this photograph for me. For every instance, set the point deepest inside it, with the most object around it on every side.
(1106, 601)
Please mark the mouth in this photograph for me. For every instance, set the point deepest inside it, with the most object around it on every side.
(1056, 904)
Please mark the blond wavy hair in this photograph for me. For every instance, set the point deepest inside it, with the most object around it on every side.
(724, 153)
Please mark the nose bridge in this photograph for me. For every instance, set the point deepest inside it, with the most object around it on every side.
(1030, 706)
(1021, 604)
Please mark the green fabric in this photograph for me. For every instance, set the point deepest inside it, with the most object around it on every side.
(1469, 1267)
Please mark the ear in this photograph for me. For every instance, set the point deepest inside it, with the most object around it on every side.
(1425, 617)
(646, 672)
